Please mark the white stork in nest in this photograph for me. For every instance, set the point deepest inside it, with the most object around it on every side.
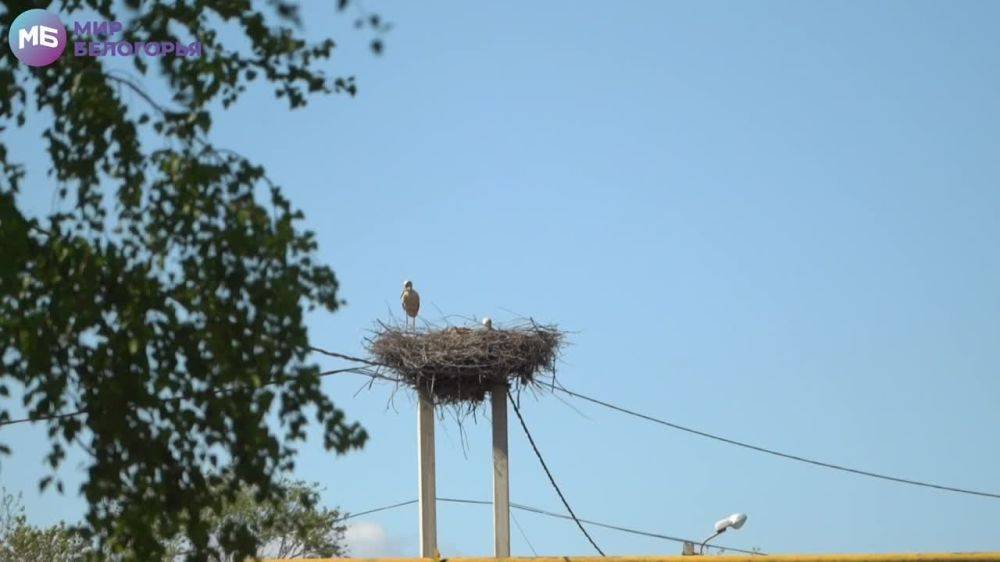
(410, 300)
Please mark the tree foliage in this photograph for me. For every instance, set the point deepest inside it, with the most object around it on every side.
(156, 319)
(21, 542)
(292, 526)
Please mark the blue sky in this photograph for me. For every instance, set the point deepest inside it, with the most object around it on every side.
(775, 221)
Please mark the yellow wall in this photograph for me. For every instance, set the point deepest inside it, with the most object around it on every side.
(943, 557)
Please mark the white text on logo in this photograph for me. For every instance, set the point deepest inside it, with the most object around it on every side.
(38, 35)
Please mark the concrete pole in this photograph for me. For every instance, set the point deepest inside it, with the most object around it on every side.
(501, 474)
(428, 491)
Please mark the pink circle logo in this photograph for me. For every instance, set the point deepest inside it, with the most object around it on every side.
(37, 37)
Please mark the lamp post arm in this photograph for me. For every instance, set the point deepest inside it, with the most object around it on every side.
(717, 533)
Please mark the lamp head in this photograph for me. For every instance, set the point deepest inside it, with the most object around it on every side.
(734, 521)
(737, 520)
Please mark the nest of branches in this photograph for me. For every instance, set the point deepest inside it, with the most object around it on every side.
(460, 365)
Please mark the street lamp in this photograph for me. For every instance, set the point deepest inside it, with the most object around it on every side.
(734, 521)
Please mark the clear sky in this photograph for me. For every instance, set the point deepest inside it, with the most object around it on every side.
(777, 221)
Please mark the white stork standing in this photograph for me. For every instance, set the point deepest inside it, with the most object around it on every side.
(410, 300)
(488, 323)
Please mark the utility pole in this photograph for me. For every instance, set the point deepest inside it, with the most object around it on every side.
(426, 477)
(501, 474)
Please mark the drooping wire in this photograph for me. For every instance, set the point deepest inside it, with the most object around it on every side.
(42, 418)
(757, 448)
(780, 454)
(377, 509)
(621, 409)
(538, 511)
(548, 473)
(355, 370)
(774, 452)
(524, 535)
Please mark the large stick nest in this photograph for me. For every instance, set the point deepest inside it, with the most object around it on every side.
(461, 365)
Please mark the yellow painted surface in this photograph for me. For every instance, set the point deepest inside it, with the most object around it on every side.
(931, 557)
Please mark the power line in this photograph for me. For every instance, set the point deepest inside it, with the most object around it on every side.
(548, 473)
(538, 511)
(346, 357)
(744, 445)
(524, 535)
(375, 375)
(43, 418)
(628, 530)
(356, 370)
(774, 452)
(377, 509)
(737, 443)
